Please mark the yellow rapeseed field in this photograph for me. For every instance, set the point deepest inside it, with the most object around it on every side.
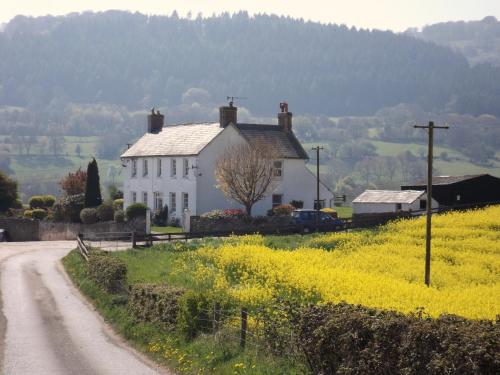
(381, 269)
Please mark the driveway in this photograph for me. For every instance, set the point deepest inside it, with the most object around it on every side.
(46, 327)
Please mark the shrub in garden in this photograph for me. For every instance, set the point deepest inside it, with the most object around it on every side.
(48, 201)
(28, 214)
(136, 210)
(93, 196)
(224, 214)
(8, 192)
(155, 302)
(105, 212)
(283, 210)
(68, 208)
(18, 204)
(353, 339)
(36, 201)
(118, 204)
(108, 271)
(39, 214)
(89, 216)
(119, 216)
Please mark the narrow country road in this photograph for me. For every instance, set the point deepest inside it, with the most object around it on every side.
(45, 325)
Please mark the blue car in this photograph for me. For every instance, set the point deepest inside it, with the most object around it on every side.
(308, 220)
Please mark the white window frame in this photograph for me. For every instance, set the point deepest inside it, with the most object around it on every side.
(157, 201)
(145, 168)
(173, 168)
(158, 167)
(185, 201)
(133, 197)
(145, 197)
(185, 168)
(133, 172)
(278, 168)
(172, 202)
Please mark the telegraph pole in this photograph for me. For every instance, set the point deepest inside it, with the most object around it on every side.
(317, 149)
(431, 128)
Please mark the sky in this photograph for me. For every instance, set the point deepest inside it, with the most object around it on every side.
(396, 15)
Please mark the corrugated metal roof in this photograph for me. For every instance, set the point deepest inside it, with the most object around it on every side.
(388, 196)
(447, 180)
(274, 136)
(187, 139)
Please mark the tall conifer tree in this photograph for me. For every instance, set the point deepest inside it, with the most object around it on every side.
(93, 196)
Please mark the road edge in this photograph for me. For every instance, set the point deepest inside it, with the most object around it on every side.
(108, 329)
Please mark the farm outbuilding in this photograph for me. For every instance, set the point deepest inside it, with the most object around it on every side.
(390, 201)
(452, 191)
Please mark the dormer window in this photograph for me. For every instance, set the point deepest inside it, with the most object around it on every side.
(144, 167)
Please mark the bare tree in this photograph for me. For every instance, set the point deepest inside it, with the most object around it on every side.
(245, 173)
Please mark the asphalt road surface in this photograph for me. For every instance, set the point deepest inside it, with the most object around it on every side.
(46, 327)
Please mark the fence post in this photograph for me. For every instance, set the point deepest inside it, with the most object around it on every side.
(134, 243)
(243, 337)
(216, 316)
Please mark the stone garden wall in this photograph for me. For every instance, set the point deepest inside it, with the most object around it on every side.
(259, 224)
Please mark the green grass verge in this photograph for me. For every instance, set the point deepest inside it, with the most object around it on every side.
(203, 355)
(344, 212)
(166, 229)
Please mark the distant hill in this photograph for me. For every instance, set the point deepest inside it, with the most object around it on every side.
(137, 61)
(478, 41)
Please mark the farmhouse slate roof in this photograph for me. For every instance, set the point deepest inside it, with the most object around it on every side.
(184, 139)
(447, 180)
(190, 139)
(284, 142)
(388, 196)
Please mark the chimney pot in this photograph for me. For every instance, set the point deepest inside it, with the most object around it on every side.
(227, 115)
(155, 122)
(285, 117)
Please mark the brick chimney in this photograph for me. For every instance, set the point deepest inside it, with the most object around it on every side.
(155, 121)
(285, 117)
(228, 114)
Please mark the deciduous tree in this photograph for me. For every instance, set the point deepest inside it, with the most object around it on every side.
(8, 192)
(244, 173)
(74, 183)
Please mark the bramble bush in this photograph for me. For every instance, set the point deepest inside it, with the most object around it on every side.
(351, 339)
(108, 271)
(157, 303)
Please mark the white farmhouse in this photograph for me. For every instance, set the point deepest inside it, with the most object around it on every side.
(390, 201)
(174, 165)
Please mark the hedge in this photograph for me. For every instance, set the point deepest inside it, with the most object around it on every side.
(155, 302)
(108, 271)
(38, 213)
(41, 201)
(347, 339)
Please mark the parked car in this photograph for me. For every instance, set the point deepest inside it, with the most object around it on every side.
(308, 220)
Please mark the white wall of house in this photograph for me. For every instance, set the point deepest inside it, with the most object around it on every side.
(164, 182)
(209, 197)
(373, 208)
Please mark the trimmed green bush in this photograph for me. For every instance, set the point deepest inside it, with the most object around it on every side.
(118, 204)
(155, 302)
(36, 201)
(351, 339)
(108, 271)
(39, 214)
(48, 201)
(136, 210)
(28, 214)
(105, 212)
(68, 208)
(193, 317)
(89, 216)
(119, 216)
